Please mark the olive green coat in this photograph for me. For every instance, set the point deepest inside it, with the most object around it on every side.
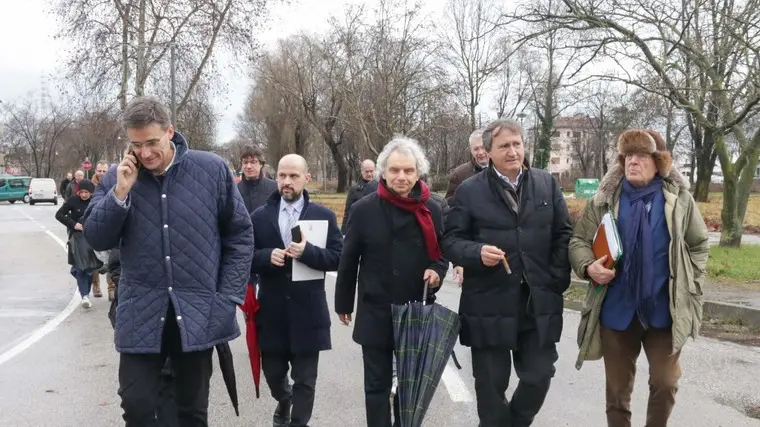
(689, 251)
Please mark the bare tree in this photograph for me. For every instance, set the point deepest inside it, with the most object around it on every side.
(391, 72)
(133, 38)
(33, 133)
(513, 88)
(273, 117)
(474, 47)
(715, 76)
(312, 77)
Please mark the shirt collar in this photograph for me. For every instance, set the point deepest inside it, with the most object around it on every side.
(297, 205)
(506, 179)
(174, 156)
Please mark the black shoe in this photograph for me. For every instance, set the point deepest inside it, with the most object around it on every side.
(282, 414)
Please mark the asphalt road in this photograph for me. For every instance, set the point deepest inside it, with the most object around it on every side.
(67, 378)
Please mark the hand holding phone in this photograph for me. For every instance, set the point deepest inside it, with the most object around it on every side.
(295, 234)
(297, 244)
(126, 174)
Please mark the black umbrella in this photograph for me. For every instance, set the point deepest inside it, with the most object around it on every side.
(425, 335)
(227, 367)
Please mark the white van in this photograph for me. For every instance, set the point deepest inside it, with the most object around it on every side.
(43, 190)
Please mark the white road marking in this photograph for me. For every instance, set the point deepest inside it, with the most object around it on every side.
(51, 324)
(455, 385)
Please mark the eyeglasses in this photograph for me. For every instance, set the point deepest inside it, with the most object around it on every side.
(150, 145)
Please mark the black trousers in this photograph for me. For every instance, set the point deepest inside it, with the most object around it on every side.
(378, 379)
(304, 372)
(492, 368)
(141, 382)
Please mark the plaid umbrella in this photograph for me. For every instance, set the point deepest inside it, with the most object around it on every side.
(250, 307)
(425, 335)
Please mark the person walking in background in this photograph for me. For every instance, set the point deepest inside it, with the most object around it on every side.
(255, 187)
(293, 321)
(392, 245)
(70, 214)
(653, 297)
(65, 184)
(100, 170)
(477, 163)
(186, 244)
(73, 188)
(361, 189)
(510, 213)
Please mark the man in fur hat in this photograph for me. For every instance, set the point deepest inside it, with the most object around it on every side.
(652, 296)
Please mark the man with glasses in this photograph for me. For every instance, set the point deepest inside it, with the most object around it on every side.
(255, 187)
(186, 245)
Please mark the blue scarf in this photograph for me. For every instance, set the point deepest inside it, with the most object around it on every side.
(638, 248)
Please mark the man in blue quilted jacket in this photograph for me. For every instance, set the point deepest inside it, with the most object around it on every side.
(186, 244)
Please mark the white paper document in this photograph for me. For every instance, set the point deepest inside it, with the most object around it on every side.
(315, 233)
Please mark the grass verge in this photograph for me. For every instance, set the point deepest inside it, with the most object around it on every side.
(735, 266)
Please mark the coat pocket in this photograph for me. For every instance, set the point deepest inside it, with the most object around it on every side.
(222, 321)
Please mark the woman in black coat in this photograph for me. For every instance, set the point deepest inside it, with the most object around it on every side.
(71, 215)
(392, 245)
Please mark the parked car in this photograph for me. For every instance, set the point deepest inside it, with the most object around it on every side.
(43, 190)
(14, 188)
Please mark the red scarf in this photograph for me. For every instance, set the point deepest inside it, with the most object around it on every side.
(420, 211)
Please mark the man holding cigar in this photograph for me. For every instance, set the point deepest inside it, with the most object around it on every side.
(509, 229)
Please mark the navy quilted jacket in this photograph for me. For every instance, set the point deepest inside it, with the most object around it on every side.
(186, 238)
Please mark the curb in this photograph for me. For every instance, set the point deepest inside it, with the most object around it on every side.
(747, 315)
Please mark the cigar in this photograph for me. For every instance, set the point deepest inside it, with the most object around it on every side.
(506, 264)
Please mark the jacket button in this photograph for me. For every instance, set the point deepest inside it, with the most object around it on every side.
(163, 319)
(168, 257)
(163, 196)
(395, 272)
(166, 225)
(519, 229)
(179, 317)
(170, 288)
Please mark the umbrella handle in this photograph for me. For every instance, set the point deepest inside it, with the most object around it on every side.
(424, 293)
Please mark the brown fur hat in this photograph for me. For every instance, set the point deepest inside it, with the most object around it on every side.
(645, 141)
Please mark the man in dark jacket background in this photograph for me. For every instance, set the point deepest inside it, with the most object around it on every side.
(186, 244)
(255, 187)
(293, 321)
(519, 214)
(73, 188)
(361, 189)
(65, 185)
(477, 163)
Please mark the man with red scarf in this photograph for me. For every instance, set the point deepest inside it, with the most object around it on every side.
(510, 213)
(392, 244)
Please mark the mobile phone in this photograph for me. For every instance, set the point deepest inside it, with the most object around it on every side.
(132, 152)
(295, 234)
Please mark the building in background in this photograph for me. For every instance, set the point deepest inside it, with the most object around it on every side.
(576, 145)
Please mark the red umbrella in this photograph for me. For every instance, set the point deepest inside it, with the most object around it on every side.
(250, 307)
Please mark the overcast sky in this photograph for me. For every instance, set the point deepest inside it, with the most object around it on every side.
(28, 51)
